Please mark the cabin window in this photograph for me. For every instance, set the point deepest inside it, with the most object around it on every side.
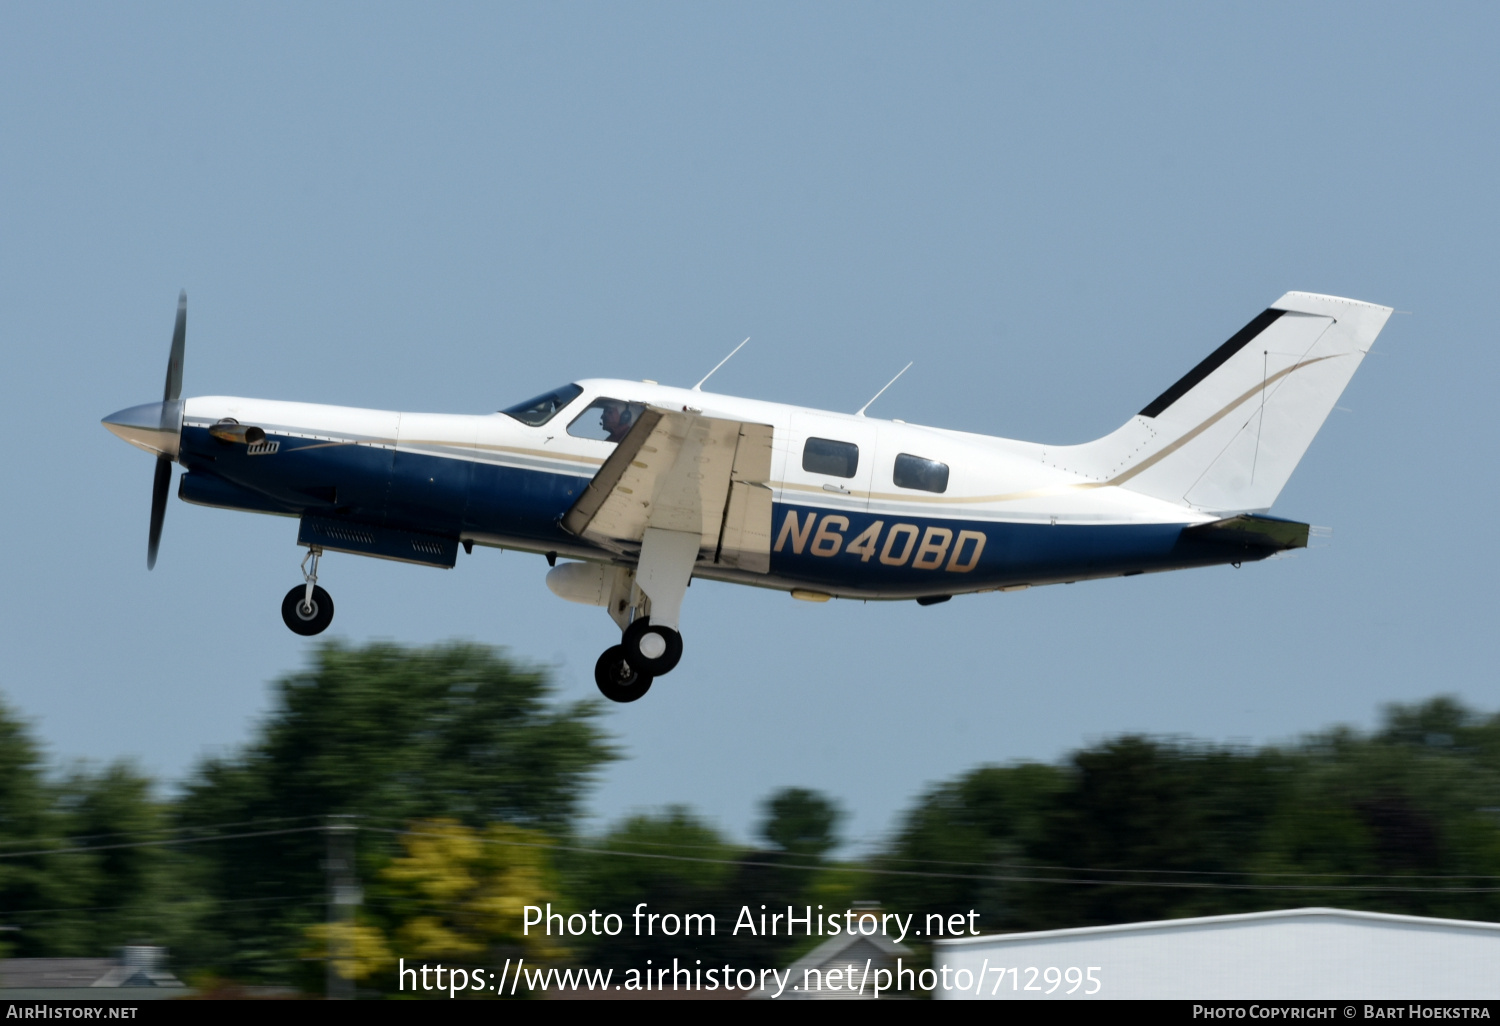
(606, 420)
(536, 412)
(825, 456)
(922, 474)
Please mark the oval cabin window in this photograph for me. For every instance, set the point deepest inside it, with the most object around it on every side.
(825, 456)
(922, 474)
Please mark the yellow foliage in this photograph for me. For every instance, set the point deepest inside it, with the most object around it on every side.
(471, 887)
(358, 951)
(467, 890)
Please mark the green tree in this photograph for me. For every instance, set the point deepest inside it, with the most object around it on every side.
(673, 862)
(389, 735)
(56, 899)
(962, 836)
(25, 826)
(802, 827)
(1140, 818)
(1404, 821)
(124, 889)
(801, 822)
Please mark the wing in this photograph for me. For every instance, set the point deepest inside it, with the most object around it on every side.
(682, 471)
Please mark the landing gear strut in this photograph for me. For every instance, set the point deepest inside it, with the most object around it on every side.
(307, 608)
(646, 604)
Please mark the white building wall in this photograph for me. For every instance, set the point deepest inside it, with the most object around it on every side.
(1306, 954)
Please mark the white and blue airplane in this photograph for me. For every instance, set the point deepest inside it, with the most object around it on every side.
(640, 487)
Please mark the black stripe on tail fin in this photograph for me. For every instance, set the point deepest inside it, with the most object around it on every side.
(1212, 362)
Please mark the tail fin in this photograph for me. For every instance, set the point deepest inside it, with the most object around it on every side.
(1226, 437)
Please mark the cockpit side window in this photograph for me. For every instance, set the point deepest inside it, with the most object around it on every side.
(536, 412)
(826, 456)
(924, 474)
(606, 419)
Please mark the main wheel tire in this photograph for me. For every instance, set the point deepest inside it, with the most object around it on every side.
(305, 621)
(619, 681)
(655, 650)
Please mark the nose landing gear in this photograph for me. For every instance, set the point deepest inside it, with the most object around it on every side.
(307, 608)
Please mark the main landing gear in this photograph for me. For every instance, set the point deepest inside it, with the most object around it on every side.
(625, 671)
(653, 650)
(307, 608)
(619, 681)
(646, 603)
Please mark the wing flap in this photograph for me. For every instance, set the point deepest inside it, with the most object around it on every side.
(745, 540)
(684, 472)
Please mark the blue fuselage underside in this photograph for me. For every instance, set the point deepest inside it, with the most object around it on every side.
(522, 508)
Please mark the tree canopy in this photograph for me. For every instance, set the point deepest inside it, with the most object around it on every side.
(1406, 819)
(463, 779)
(801, 822)
(389, 735)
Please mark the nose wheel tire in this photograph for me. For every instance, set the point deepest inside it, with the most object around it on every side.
(654, 650)
(618, 680)
(304, 619)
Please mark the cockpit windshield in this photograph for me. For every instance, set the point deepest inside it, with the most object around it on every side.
(536, 412)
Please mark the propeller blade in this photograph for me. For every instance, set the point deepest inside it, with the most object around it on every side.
(174, 362)
(158, 507)
(170, 396)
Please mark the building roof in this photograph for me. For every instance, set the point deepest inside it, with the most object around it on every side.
(844, 952)
(1241, 918)
(54, 972)
(845, 946)
(139, 966)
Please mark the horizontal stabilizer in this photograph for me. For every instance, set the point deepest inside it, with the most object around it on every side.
(1253, 531)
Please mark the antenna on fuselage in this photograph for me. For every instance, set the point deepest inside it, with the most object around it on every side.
(888, 384)
(699, 386)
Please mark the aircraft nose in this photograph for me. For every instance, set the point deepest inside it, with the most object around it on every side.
(153, 427)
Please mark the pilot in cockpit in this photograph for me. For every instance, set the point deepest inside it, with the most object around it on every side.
(616, 418)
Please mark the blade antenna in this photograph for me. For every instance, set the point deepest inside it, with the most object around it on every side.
(888, 384)
(699, 386)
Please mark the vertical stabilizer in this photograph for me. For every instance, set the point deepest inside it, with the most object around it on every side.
(1226, 436)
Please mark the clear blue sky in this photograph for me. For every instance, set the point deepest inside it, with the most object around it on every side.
(1054, 209)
